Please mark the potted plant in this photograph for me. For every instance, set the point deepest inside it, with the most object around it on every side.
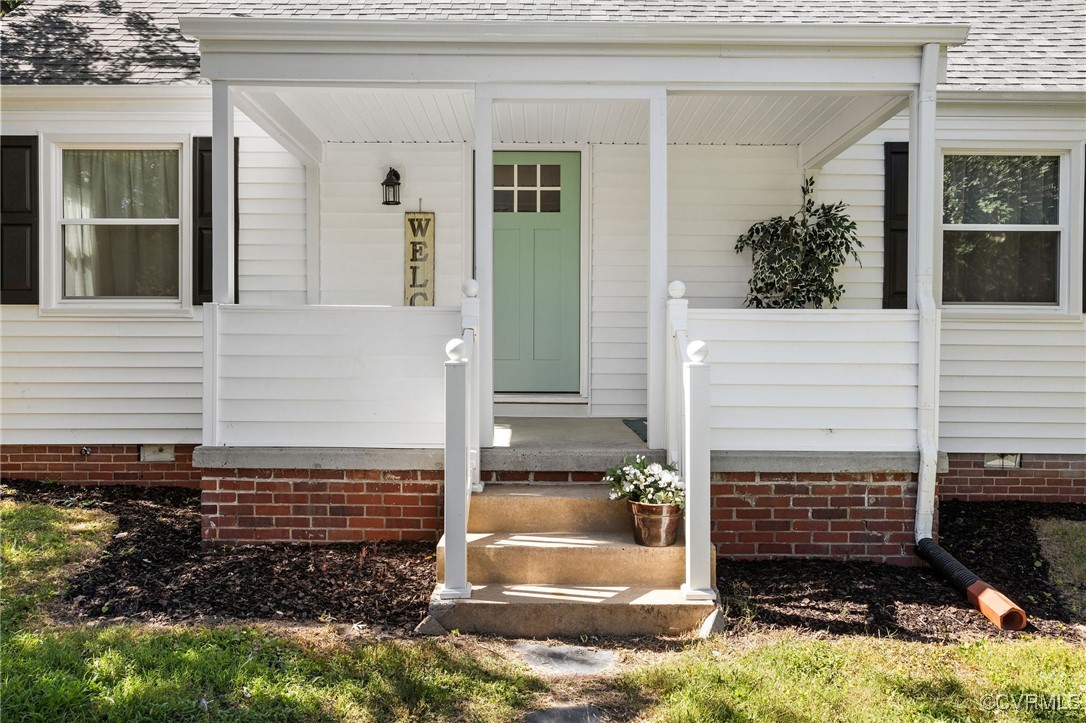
(656, 495)
(794, 259)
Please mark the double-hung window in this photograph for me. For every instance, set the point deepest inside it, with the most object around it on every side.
(1004, 229)
(120, 223)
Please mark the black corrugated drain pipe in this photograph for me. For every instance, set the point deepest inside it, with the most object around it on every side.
(993, 604)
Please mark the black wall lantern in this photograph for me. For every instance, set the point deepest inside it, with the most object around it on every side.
(391, 187)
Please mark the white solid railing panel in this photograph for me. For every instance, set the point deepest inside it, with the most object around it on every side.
(327, 376)
(811, 379)
(688, 441)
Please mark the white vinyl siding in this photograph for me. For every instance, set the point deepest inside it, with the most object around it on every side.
(99, 381)
(810, 380)
(619, 281)
(362, 241)
(124, 380)
(716, 193)
(1013, 386)
(323, 376)
(857, 177)
(271, 220)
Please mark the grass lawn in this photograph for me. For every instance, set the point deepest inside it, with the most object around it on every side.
(57, 671)
(791, 677)
(1064, 545)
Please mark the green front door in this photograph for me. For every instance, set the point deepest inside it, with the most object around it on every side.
(537, 272)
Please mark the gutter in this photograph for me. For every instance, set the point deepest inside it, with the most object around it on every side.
(995, 606)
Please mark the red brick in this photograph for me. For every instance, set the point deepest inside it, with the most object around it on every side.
(397, 474)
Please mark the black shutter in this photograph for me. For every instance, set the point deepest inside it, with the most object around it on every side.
(19, 230)
(895, 254)
(202, 286)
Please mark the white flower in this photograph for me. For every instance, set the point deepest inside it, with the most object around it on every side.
(654, 468)
(613, 495)
(679, 484)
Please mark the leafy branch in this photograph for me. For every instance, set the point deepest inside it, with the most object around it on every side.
(795, 258)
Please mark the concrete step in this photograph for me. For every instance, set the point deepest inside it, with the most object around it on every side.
(547, 507)
(547, 611)
(575, 558)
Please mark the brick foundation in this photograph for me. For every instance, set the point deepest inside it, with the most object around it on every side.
(111, 464)
(242, 506)
(869, 516)
(1042, 478)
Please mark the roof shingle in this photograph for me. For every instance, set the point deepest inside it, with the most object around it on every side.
(1013, 44)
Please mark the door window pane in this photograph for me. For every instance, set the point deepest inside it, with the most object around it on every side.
(503, 201)
(527, 188)
(526, 201)
(550, 176)
(526, 176)
(503, 175)
(550, 201)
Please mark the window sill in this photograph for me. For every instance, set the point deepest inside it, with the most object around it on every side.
(117, 312)
(1009, 313)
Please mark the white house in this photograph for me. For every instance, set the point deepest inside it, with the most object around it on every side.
(203, 285)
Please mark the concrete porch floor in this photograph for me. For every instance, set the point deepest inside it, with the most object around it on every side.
(560, 444)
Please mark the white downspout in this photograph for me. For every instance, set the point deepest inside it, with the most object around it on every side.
(925, 218)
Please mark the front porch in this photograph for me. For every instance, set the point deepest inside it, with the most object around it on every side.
(344, 402)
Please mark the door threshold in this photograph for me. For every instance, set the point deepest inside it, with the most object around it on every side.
(541, 398)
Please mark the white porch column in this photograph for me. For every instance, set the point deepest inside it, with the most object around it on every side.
(925, 213)
(222, 200)
(657, 290)
(484, 259)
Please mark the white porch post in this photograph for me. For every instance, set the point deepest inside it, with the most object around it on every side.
(484, 259)
(924, 216)
(657, 290)
(222, 201)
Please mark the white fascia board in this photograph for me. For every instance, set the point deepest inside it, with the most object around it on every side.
(815, 70)
(570, 32)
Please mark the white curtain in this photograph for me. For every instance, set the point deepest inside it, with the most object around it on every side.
(120, 259)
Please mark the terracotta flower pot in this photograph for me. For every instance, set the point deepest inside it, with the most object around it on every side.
(655, 525)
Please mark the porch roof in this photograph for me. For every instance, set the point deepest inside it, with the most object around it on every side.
(817, 87)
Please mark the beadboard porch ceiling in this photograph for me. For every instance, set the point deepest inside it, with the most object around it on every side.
(402, 115)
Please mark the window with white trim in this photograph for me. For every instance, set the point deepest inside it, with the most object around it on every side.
(120, 223)
(1004, 228)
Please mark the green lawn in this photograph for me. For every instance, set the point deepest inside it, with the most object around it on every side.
(1064, 545)
(65, 672)
(52, 672)
(789, 677)
(38, 544)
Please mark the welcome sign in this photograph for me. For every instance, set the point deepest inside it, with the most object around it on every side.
(418, 267)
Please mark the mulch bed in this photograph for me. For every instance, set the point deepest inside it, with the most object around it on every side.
(994, 539)
(154, 569)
